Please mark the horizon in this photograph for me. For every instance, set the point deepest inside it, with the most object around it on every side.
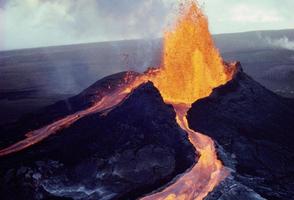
(133, 39)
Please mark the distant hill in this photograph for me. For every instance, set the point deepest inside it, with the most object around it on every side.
(267, 56)
(33, 78)
(254, 40)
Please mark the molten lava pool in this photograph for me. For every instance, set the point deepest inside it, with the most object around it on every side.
(191, 68)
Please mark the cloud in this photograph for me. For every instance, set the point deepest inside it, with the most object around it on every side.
(246, 13)
(227, 16)
(30, 23)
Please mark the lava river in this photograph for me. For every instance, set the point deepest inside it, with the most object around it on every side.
(191, 67)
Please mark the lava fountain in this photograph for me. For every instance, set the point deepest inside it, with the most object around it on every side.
(191, 67)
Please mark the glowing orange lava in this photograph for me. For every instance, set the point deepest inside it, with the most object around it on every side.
(108, 102)
(190, 69)
(203, 177)
(191, 66)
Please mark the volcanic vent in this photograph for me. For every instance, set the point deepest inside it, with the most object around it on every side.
(190, 69)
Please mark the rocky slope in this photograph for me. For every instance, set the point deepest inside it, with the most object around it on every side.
(133, 149)
(254, 128)
(10, 133)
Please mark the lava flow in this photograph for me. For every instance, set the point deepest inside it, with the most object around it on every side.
(106, 103)
(191, 67)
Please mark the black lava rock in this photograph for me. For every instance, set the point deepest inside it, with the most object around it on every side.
(132, 150)
(10, 133)
(256, 131)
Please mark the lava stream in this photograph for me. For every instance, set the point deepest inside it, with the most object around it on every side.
(106, 103)
(204, 176)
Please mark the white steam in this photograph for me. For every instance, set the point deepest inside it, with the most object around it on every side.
(283, 43)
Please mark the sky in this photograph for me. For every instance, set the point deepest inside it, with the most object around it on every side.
(34, 23)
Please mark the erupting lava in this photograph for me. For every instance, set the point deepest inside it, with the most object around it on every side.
(191, 68)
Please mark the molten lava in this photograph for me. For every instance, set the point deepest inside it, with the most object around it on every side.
(190, 69)
(191, 66)
(203, 177)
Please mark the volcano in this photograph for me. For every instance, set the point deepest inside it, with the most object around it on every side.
(123, 154)
(254, 130)
(195, 127)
